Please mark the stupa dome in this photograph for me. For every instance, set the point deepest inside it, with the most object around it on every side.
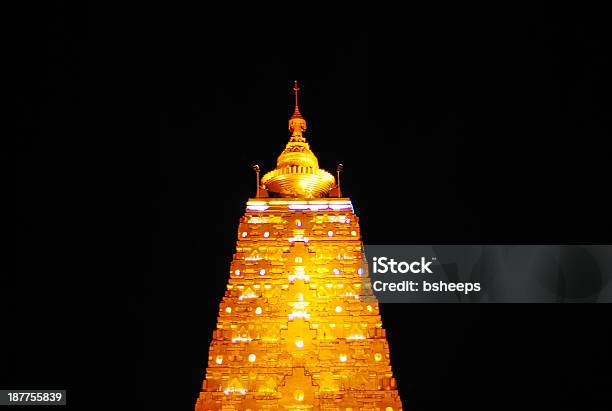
(297, 172)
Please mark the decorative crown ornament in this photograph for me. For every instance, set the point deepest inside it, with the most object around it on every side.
(297, 172)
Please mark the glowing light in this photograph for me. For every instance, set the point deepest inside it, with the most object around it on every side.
(298, 237)
(330, 233)
(298, 223)
(377, 357)
(299, 343)
(266, 234)
(219, 359)
(228, 309)
(343, 357)
(262, 272)
(298, 206)
(299, 305)
(257, 207)
(265, 219)
(299, 314)
(252, 357)
(389, 409)
(339, 207)
(231, 390)
(317, 207)
(353, 337)
(299, 276)
(240, 339)
(338, 309)
(353, 233)
(298, 395)
(248, 293)
(360, 271)
(244, 234)
(258, 310)
(369, 308)
(336, 271)
(237, 272)
(298, 259)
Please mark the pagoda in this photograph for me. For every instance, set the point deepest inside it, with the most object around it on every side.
(298, 327)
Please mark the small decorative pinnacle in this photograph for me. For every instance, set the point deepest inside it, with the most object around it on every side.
(338, 170)
(257, 184)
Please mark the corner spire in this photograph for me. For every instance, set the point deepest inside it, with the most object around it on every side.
(297, 123)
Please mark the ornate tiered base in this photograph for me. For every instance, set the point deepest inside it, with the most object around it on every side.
(298, 327)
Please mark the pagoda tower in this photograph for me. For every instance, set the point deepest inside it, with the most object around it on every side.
(299, 327)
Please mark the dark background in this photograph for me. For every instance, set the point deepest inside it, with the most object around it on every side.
(136, 133)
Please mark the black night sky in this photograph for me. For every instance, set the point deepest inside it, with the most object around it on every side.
(133, 153)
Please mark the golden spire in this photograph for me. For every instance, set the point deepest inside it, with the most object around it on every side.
(297, 172)
(297, 123)
(296, 112)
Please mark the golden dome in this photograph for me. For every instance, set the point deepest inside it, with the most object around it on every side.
(297, 172)
(297, 155)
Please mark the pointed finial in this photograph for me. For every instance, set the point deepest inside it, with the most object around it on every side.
(296, 89)
(297, 123)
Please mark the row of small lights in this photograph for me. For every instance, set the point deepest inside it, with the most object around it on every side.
(261, 272)
(286, 286)
(266, 234)
(336, 271)
(259, 310)
(298, 344)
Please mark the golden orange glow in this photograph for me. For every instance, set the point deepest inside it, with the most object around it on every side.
(297, 172)
(298, 327)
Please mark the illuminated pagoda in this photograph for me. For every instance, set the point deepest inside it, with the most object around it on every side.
(298, 327)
